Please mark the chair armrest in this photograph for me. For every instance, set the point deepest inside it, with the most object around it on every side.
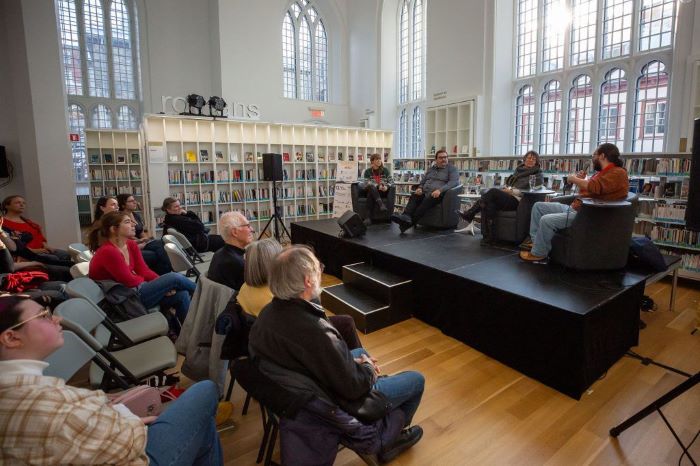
(565, 199)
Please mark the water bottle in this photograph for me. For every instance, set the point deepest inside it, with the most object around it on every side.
(533, 180)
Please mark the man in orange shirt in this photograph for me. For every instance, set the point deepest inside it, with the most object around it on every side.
(610, 183)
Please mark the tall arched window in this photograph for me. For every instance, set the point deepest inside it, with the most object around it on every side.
(304, 53)
(76, 125)
(524, 120)
(100, 65)
(578, 127)
(550, 117)
(650, 108)
(411, 76)
(613, 108)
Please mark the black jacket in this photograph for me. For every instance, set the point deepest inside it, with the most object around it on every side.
(520, 179)
(296, 335)
(191, 226)
(227, 267)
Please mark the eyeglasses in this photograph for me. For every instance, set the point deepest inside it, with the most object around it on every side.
(247, 225)
(45, 314)
(442, 156)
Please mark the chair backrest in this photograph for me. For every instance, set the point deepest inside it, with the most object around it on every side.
(83, 256)
(69, 358)
(171, 239)
(81, 312)
(184, 242)
(84, 287)
(75, 248)
(178, 259)
(80, 269)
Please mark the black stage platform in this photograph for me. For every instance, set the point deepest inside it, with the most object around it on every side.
(561, 327)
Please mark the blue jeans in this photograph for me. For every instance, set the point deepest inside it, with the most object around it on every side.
(404, 389)
(153, 293)
(545, 220)
(185, 434)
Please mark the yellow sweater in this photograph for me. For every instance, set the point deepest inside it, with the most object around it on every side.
(253, 298)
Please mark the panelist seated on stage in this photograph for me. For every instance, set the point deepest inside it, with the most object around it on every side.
(506, 198)
(438, 179)
(375, 184)
(296, 346)
(227, 264)
(610, 183)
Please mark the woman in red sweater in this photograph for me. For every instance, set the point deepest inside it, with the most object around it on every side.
(118, 258)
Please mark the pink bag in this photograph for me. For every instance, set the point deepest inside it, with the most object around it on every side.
(142, 400)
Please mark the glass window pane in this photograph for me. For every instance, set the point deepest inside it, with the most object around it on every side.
(289, 72)
(403, 47)
(617, 28)
(416, 134)
(550, 117)
(126, 118)
(524, 120)
(612, 109)
(655, 24)
(101, 117)
(418, 50)
(583, 25)
(579, 121)
(321, 51)
(553, 35)
(304, 60)
(70, 47)
(527, 38)
(96, 49)
(76, 124)
(650, 108)
(122, 54)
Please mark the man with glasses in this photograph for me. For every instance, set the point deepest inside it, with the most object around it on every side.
(438, 179)
(227, 264)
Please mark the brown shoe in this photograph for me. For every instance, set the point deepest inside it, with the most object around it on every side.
(528, 256)
(526, 245)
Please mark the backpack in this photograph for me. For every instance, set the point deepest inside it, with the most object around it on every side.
(121, 302)
(644, 253)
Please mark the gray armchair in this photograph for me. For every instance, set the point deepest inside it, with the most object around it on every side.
(444, 214)
(513, 226)
(599, 235)
(359, 203)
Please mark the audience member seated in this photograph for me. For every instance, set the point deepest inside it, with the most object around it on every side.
(187, 223)
(375, 184)
(610, 183)
(45, 421)
(293, 336)
(227, 264)
(506, 198)
(438, 179)
(118, 258)
(28, 232)
(152, 249)
(103, 205)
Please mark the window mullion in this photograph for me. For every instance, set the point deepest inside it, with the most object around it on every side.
(634, 33)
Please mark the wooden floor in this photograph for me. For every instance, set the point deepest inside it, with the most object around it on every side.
(478, 411)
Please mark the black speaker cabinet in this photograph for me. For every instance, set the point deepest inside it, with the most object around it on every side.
(692, 211)
(352, 224)
(272, 167)
(4, 173)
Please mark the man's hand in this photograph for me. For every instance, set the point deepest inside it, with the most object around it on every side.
(149, 419)
(372, 361)
(419, 191)
(383, 187)
(435, 194)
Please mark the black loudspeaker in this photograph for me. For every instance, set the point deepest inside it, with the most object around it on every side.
(272, 167)
(352, 224)
(4, 173)
(692, 211)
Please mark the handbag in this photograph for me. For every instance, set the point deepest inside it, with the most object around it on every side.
(142, 400)
(370, 408)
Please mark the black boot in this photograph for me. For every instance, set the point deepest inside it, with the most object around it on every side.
(470, 213)
(380, 205)
(487, 231)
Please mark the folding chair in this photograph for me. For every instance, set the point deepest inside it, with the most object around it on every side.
(113, 335)
(180, 262)
(80, 269)
(87, 288)
(186, 245)
(74, 249)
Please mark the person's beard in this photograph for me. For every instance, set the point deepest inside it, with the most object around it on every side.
(597, 166)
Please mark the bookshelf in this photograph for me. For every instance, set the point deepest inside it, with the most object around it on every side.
(115, 166)
(451, 127)
(406, 172)
(213, 166)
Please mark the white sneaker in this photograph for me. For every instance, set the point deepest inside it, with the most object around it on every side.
(468, 229)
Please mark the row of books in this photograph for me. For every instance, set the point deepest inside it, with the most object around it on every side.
(675, 235)
(108, 158)
(409, 164)
(674, 212)
(662, 188)
(99, 191)
(407, 177)
(689, 262)
(108, 174)
(211, 176)
(668, 167)
(194, 197)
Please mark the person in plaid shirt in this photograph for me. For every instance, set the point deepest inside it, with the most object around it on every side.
(43, 421)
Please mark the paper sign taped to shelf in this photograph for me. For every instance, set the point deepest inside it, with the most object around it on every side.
(156, 153)
(342, 201)
(346, 172)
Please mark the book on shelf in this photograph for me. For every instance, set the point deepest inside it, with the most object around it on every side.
(285, 157)
(190, 156)
(135, 158)
(233, 157)
(172, 157)
(219, 156)
(203, 155)
(298, 157)
(310, 157)
(94, 158)
(249, 157)
(121, 158)
(108, 158)
(321, 157)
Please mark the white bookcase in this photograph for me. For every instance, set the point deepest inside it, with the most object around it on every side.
(214, 166)
(115, 166)
(451, 127)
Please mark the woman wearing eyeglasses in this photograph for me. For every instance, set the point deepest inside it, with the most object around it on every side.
(44, 421)
(117, 257)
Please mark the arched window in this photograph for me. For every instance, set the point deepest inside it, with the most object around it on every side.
(76, 125)
(96, 49)
(101, 117)
(550, 118)
(524, 120)
(578, 127)
(613, 108)
(122, 54)
(70, 47)
(126, 118)
(304, 53)
(650, 108)
(411, 76)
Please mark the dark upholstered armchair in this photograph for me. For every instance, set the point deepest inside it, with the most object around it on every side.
(443, 215)
(359, 203)
(599, 235)
(513, 226)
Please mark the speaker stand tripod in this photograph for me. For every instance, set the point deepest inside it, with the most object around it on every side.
(276, 218)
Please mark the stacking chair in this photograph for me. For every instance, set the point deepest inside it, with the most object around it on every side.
(110, 334)
(186, 245)
(80, 269)
(75, 250)
(180, 262)
(83, 256)
(69, 358)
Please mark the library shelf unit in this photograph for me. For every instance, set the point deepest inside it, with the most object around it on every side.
(451, 127)
(215, 165)
(406, 172)
(115, 166)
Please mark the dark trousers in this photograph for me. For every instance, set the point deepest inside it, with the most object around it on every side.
(156, 258)
(373, 194)
(492, 201)
(418, 205)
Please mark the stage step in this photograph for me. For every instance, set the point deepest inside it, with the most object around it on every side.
(373, 297)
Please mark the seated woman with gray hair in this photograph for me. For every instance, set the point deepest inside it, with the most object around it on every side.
(255, 293)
